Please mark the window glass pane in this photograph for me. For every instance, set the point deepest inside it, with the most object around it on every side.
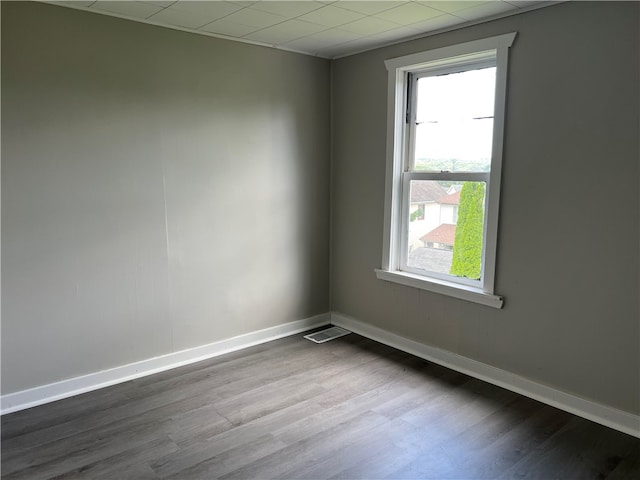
(454, 121)
(446, 224)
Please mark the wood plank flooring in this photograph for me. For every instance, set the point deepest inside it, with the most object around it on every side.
(347, 409)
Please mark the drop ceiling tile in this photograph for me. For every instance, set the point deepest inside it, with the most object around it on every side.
(285, 32)
(335, 36)
(451, 7)
(394, 35)
(227, 27)
(208, 10)
(180, 19)
(255, 18)
(290, 9)
(436, 23)
(357, 44)
(322, 40)
(129, 9)
(365, 43)
(331, 16)
(368, 8)
(485, 10)
(369, 26)
(409, 13)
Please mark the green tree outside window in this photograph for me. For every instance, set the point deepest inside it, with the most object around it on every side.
(467, 248)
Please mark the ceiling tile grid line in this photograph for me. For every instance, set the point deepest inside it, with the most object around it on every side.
(327, 29)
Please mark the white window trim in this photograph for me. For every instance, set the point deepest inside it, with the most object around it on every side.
(493, 47)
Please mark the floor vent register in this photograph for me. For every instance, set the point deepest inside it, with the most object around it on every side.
(327, 334)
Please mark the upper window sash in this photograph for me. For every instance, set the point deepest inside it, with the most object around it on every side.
(413, 97)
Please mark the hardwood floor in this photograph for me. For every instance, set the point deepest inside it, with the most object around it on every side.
(349, 408)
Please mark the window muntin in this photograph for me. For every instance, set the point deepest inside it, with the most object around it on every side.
(408, 166)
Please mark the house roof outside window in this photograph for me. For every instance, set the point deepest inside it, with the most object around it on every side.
(444, 234)
(451, 199)
(426, 192)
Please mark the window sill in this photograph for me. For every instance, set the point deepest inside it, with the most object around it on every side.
(463, 292)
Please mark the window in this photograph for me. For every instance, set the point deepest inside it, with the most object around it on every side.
(445, 131)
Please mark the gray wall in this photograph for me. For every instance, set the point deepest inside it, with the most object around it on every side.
(160, 191)
(568, 240)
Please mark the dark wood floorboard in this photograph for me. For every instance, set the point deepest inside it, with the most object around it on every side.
(291, 409)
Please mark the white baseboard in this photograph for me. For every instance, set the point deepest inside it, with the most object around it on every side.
(608, 416)
(32, 397)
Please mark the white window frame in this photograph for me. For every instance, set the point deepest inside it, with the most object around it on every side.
(491, 51)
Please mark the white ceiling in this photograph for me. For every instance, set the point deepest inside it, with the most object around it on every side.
(328, 29)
